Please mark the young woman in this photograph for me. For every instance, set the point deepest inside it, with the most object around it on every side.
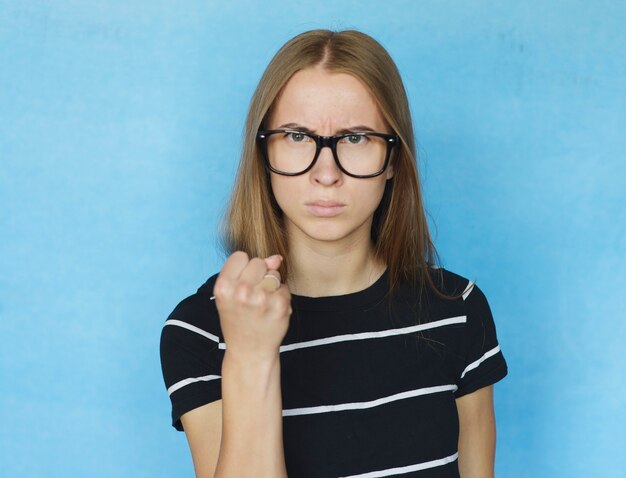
(330, 343)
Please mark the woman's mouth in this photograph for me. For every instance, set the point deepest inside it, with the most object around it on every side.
(325, 208)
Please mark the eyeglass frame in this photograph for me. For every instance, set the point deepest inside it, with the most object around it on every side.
(323, 142)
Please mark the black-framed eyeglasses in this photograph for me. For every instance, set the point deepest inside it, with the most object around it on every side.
(359, 154)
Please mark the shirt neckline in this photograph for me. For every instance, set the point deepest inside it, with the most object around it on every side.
(367, 296)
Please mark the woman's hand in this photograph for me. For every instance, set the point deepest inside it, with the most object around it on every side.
(254, 321)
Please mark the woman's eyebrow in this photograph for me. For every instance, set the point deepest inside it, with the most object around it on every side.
(295, 126)
(351, 129)
(358, 128)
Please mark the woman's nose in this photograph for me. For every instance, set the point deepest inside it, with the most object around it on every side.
(325, 170)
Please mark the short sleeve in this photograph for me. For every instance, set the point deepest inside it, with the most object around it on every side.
(483, 362)
(191, 352)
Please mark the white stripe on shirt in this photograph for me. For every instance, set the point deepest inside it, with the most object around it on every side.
(407, 469)
(369, 404)
(468, 289)
(193, 328)
(476, 363)
(334, 339)
(187, 381)
(373, 335)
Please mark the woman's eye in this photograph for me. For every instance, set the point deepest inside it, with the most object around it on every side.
(356, 139)
(297, 137)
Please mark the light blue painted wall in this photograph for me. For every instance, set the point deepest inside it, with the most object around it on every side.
(120, 125)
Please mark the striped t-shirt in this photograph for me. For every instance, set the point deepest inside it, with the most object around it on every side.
(368, 384)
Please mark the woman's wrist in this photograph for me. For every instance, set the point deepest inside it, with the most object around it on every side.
(254, 366)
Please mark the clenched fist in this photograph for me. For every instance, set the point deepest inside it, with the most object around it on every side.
(254, 320)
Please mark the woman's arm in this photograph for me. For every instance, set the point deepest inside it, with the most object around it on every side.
(254, 321)
(477, 434)
(240, 435)
(252, 430)
(203, 427)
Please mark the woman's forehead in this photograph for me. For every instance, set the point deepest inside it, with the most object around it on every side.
(318, 98)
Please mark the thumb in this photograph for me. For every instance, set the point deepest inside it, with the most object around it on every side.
(274, 262)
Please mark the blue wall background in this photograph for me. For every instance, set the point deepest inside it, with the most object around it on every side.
(120, 126)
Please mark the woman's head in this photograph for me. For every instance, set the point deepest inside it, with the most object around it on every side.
(399, 232)
(316, 188)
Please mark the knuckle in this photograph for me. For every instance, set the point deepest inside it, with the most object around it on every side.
(256, 262)
(221, 287)
(241, 254)
(242, 292)
(260, 298)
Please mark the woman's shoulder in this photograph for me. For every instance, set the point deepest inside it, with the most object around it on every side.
(450, 292)
(468, 294)
(450, 282)
(196, 313)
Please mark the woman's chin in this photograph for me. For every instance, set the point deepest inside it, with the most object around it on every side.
(334, 233)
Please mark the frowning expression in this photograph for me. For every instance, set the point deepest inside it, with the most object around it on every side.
(324, 204)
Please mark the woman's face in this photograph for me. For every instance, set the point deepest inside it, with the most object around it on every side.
(324, 204)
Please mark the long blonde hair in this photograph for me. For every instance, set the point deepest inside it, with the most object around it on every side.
(253, 221)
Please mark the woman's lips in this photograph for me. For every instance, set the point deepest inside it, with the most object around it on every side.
(325, 209)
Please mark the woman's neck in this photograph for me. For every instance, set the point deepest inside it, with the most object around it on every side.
(318, 269)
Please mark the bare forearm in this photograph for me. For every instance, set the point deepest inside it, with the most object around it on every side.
(252, 427)
(477, 455)
(477, 434)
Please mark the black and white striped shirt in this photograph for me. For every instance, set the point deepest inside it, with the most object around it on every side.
(368, 384)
